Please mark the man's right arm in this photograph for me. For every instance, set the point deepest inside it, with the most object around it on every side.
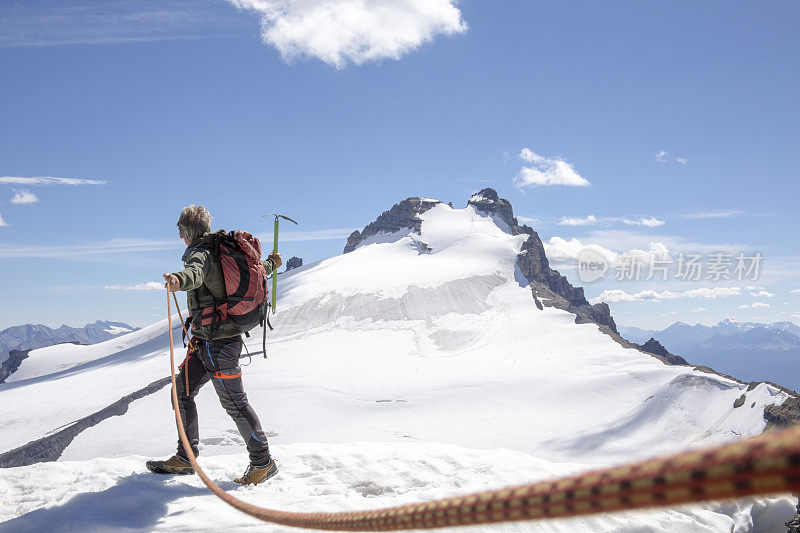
(195, 271)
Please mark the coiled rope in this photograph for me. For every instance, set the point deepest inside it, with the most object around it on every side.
(768, 464)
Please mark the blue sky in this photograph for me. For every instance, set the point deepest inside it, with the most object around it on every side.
(681, 114)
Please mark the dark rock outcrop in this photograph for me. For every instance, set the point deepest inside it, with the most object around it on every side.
(655, 347)
(548, 285)
(400, 216)
(50, 447)
(11, 364)
(784, 415)
(294, 262)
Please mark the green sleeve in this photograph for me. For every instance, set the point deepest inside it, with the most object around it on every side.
(269, 266)
(195, 271)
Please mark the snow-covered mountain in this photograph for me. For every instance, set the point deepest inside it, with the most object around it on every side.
(21, 339)
(747, 350)
(439, 358)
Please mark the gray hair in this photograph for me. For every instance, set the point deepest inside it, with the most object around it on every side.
(194, 222)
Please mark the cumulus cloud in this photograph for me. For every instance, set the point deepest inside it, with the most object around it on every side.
(149, 286)
(24, 197)
(578, 221)
(794, 291)
(2, 222)
(42, 180)
(762, 294)
(661, 156)
(682, 160)
(708, 293)
(756, 305)
(651, 222)
(699, 310)
(565, 252)
(339, 32)
(547, 171)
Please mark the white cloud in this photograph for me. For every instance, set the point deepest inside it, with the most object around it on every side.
(42, 180)
(566, 252)
(99, 248)
(2, 222)
(298, 236)
(795, 291)
(149, 286)
(24, 197)
(117, 246)
(756, 305)
(339, 32)
(625, 240)
(762, 294)
(115, 21)
(699, 310)
(662, 157)
(577, 221)
(547, 171)
(617, 295)
(650, 222)
(712, 214)
(529, 220)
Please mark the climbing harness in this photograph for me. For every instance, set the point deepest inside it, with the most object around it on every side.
(767, 464)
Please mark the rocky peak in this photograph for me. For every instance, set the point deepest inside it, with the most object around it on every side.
(403, 215)
(548, 285)
(654, 347)
(294, 262)
(489, 202)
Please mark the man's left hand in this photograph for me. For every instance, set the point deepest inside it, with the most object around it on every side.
(275, 256)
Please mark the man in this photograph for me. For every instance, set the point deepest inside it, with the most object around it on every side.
(216, 351)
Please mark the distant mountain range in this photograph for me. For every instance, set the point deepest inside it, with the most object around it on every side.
(747, 350)
(33, 336)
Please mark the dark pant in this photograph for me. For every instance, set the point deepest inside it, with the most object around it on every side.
(218, 361)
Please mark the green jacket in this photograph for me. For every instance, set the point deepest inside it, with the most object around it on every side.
(203, 281)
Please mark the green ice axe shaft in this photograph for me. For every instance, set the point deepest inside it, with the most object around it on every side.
(275, 251)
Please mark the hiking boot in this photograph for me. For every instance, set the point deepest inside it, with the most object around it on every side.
(256, 474)
(174, 465)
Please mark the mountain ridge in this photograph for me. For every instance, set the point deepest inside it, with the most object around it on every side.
(17, 341)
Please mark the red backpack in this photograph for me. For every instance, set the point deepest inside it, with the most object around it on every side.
(246, 301)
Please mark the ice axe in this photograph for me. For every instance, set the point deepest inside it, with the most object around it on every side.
(275, 251)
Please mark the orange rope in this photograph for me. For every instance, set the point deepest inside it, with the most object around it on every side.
(189, 347)
(768, 464)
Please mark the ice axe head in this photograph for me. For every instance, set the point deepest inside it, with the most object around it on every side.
(277, 215)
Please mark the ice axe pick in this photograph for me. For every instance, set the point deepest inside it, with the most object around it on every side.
(275, 251)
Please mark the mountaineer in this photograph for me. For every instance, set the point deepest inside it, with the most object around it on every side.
(216, 343)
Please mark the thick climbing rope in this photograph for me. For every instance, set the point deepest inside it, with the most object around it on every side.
(764, 465)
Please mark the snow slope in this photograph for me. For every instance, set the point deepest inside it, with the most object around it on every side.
(414, 367)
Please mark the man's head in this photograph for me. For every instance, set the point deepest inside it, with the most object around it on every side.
(193, 222)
